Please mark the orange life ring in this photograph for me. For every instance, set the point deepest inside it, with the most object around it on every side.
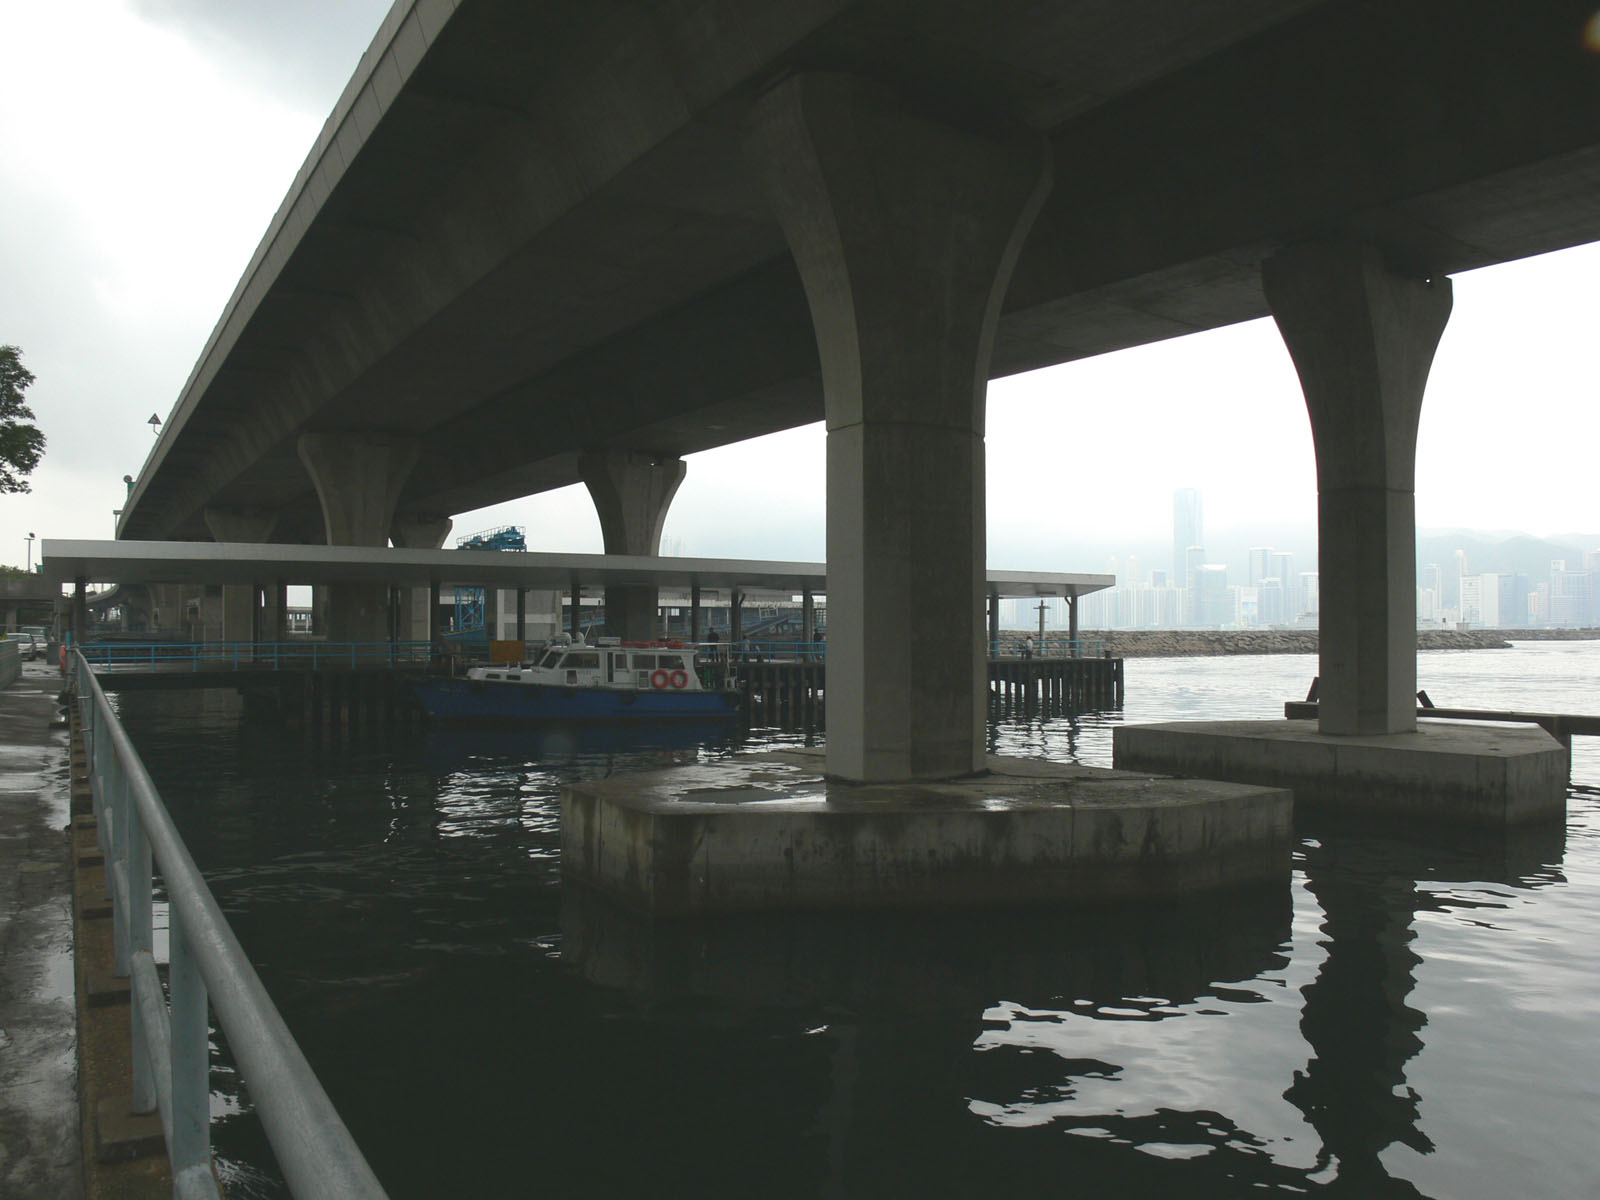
(680, 679)
(659, 679)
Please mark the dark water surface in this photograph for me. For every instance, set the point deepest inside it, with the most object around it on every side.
(1405, 1017)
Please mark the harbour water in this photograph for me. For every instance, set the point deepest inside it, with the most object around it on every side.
(1407, 1016)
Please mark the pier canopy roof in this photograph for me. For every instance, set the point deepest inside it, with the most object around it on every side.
(255, 563)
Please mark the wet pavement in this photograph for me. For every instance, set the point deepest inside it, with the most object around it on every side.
(40, 1143)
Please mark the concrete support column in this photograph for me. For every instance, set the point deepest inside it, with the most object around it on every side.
(905, 231)
(240, 616)
(418, 531)
(575, 617)
(694, 613)
(1362, 338)
(1072, 626)
(631, 493)
(358, 477)
(80, 609)
(279, 610)
(808, 620)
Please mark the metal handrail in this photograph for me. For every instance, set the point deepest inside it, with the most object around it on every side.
(1052, 646)
(255, 655)
(171, 1059)
(766, 651)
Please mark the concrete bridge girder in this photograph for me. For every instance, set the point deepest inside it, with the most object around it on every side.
(905, 231)
(589, 300)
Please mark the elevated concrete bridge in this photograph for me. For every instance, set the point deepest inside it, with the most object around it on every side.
(528, 232)
(542, 244)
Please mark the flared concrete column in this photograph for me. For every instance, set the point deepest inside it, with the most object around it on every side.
(418, 531)
(241, 619)
(905, 231)
(631, 493)
(1362, 338)
(358, 477)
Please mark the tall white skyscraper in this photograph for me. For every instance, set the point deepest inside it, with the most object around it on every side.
(1188, 529)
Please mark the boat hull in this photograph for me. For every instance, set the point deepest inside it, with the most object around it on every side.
(487, 700)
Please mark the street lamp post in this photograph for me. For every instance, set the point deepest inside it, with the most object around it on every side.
(30, 554)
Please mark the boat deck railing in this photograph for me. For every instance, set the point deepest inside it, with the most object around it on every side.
(207, 973)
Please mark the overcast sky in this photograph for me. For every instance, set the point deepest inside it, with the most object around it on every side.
(145, 144)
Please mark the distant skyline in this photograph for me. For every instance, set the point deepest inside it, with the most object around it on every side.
(144, 146)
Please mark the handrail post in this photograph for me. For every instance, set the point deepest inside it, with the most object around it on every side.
(140, 940)
(191, 1056)
(119, 880)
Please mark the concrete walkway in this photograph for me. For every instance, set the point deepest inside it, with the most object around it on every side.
(40, 1143)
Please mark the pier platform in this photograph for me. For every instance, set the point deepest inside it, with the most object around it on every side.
(771, 832)
(1449, 773)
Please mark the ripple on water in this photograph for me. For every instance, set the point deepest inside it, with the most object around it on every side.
(1409, 1019)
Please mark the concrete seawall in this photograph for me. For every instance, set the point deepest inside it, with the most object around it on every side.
(1153, 643)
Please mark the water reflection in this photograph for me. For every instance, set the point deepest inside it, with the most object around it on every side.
(406, 910)
(896, 962)
(1357, 1018)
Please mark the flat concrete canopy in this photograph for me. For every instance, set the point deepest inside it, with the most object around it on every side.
(530, 231)
(31, 587)
(247, 563)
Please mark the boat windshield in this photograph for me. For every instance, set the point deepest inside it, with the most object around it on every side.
(550, 659)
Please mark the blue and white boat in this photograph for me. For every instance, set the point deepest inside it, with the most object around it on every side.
(609, 681)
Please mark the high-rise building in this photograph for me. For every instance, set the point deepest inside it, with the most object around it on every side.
(1188, 529)
(1270, 608)
(1430, 594)
(1260, 564)
(1310, 593)
(1571, 595)
(1214, 599)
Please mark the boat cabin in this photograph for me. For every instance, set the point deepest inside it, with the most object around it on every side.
(656, 667)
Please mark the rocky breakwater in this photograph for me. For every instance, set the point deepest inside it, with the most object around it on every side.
(1151, 643)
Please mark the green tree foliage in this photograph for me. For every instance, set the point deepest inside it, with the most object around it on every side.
(21, 444)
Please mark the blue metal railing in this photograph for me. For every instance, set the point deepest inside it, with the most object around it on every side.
(768, 651)
(207, 972)
(1052, 646)
(216, 656)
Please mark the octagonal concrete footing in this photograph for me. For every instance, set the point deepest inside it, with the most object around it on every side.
(769, 831)
(1451, 773)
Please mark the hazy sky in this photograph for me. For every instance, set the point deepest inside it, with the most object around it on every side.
(144, 146)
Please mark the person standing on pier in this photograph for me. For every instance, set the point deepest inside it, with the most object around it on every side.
(1027, 646)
